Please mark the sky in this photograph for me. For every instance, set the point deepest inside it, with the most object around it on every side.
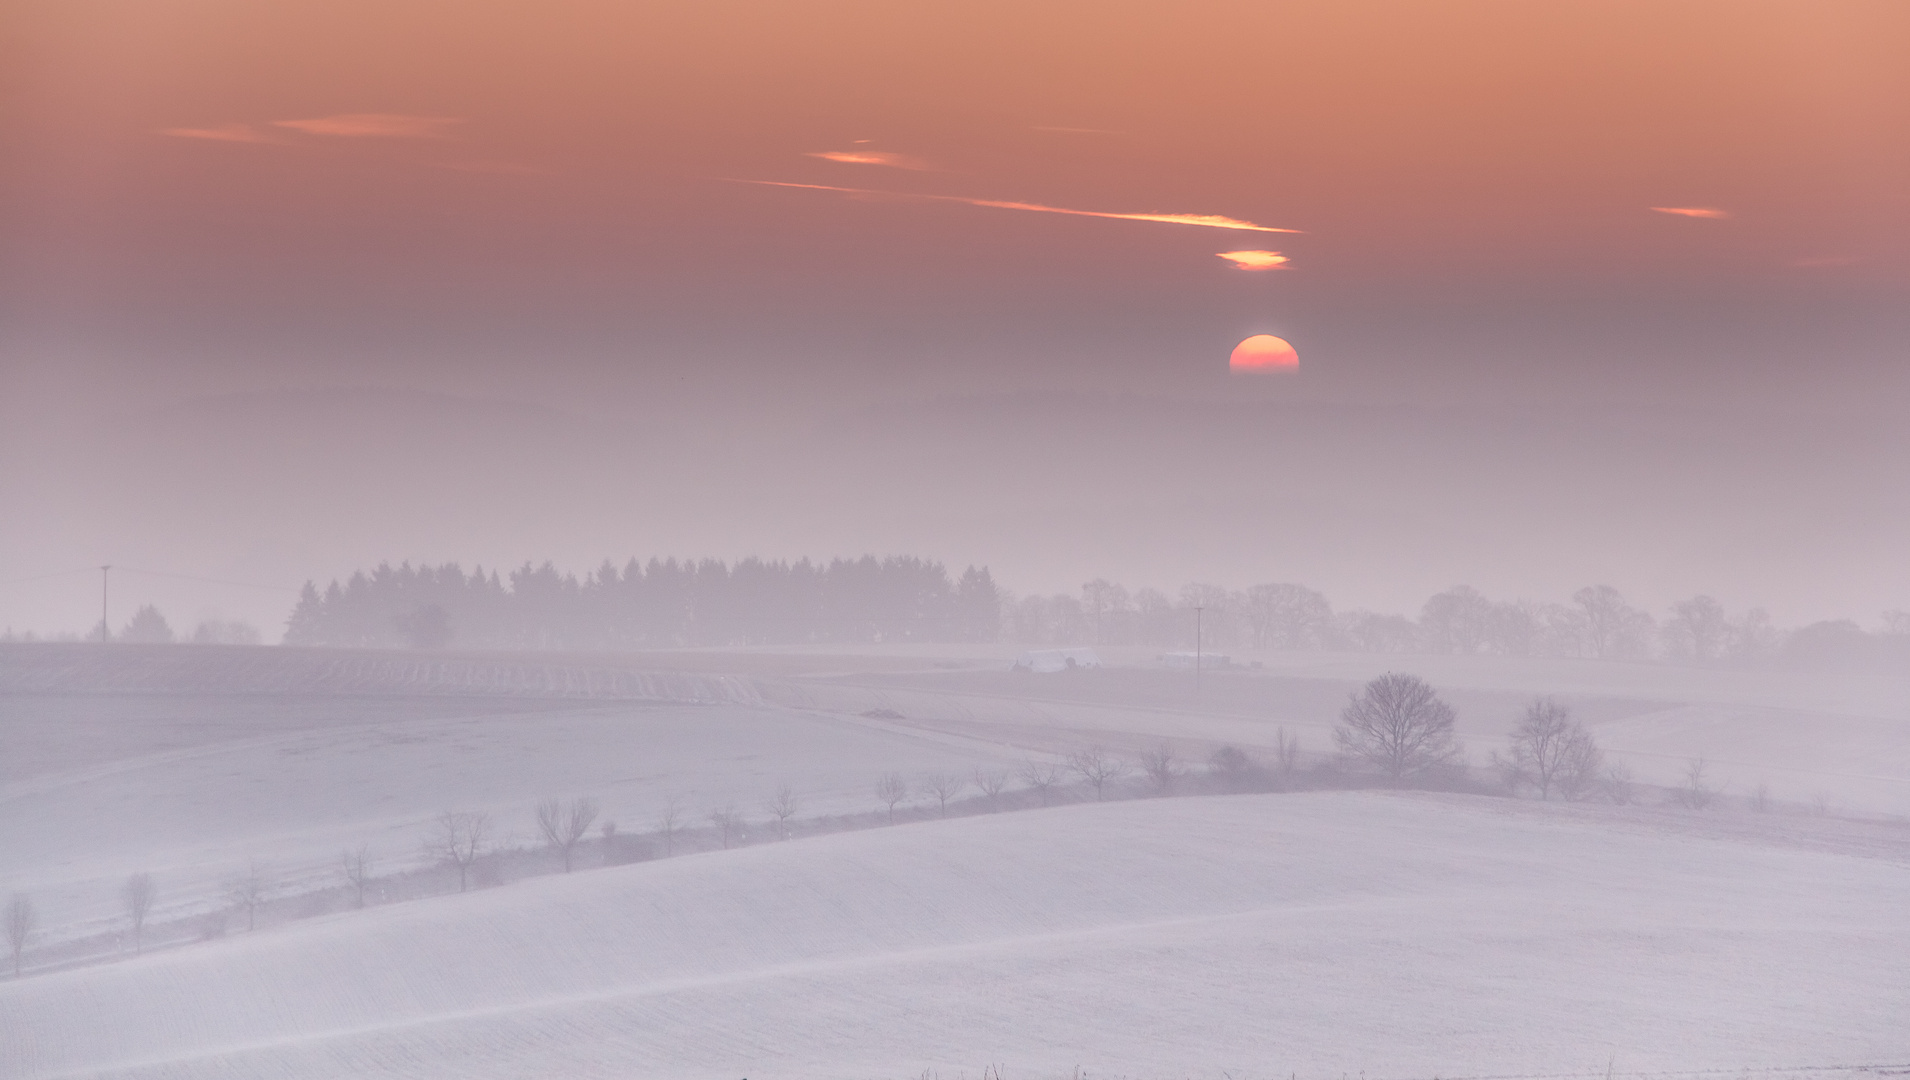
(1580, 291)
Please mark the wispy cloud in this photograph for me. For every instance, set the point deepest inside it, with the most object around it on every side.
(238, 133)
(1206, 221)
(493, 168)
(1077, 130)
(871, 157)
(1693, 211)
(1256, 260)
(374, 126)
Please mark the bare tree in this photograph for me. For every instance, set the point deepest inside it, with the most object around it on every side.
(670, 821)
(892, 789)
(459, 839)
(1612, 628)
(1516, 627)
(1286, 751)
(727, 823)
(991, 783)
(1101, 601)
(1097, 767)
(782, 806)
(1043, 776)
(1695, 792)
(1287, 617)
(565, 826)
(249, 891)
(943, 786)
(1751, 638)
(357, 866)
(1162, 768)
(20, 920)
(1457, 620)
(1578, 774)
(1398, 725)
(1697, 630)
(1553, 752)
(1617, 783)
(138, 893)
(1761, 797)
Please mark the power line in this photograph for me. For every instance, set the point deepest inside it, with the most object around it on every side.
(49, 577)
(206, 580)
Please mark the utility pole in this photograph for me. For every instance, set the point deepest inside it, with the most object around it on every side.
(1197, 610)
(105, 633)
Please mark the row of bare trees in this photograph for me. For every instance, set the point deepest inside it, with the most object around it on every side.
(1397, 725)
(137, 895)
(1095, 768)
(1596, 622)
(459, 839)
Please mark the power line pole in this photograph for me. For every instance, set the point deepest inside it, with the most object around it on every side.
(1197, 610)
(105, 633)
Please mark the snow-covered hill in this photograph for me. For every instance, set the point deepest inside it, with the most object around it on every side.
(291, 784)
(1317, 935)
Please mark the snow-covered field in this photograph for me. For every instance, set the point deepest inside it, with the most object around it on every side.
(1807, 738)
(195, 813)
(289, 757)
(1316, 935)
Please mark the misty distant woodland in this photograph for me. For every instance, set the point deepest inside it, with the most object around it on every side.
(670, 603)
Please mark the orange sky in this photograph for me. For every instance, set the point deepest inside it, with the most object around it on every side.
(227, 175)
(1601, 210)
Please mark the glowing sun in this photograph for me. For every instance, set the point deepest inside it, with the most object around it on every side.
(1264, 352)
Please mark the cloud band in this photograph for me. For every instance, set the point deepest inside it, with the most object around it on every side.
(1205, 221)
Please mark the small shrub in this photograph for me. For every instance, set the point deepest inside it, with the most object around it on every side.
(1695, 793)
(1231, 767)
(1617, 783)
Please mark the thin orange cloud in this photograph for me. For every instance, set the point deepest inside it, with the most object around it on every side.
(1256, 260)
(239, 133)
(493, 168)
(1077, 131)
(374, 126)
(1207, 221)
(1694, 211)
(871, 157)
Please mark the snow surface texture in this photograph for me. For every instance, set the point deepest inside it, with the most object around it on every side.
(296, 798)
(192, 786)
(1393, 935)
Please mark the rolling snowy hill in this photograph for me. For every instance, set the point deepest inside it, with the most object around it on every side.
(1250, 936)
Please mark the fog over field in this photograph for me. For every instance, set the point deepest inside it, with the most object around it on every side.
(929, 541)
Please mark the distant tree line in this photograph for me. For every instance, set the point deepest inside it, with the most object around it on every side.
(670, 603)
(664, 603)
(149, 627)
(1598, 623)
